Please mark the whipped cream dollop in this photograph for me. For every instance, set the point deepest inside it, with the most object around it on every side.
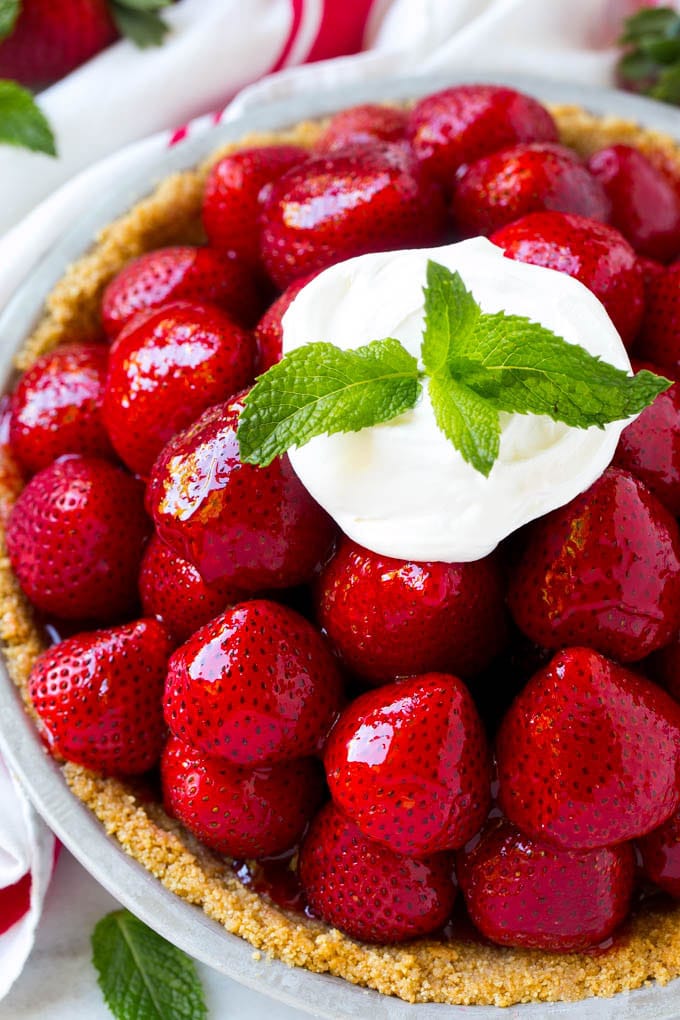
(401, 488)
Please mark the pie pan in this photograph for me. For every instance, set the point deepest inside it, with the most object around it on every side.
(186, 925)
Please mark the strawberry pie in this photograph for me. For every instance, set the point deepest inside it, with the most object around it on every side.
(339, 492)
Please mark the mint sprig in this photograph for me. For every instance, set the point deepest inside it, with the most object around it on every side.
(9, 12)
(140, 21)
(476, 365)
(651, 59)
(22, 122)
(142, 976)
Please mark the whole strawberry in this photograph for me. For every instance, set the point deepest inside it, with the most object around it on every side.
(589, 753)
(374, 198)
(603, 570)
(659, 340)
(256, 685)
(249, 527)
(368, 891)
(269, 330)
(520, 892)
(164, 370)
(362, 125)
(461, 124)
(98, 697)
(56, 407)
(240, 812)
(594, 253)
(75, 539)
(502, 187)
(390, 618)
(414, 795)
(660, 852)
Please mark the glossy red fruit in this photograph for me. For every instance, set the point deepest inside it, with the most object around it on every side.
(164, 370)
(520, 892)
(75, 539)
(232, 198)
(594, 253)
(650, 269)
(463, 123)
(409, 765)
(368, 891)
(240, 812)
(502, 187)
(56, 407)
(363, 125)
(98, 697)
(644, 205)
(181, 273)
(374, 198)
(173, 591)
(659, 339)
(660, 852)
(664, 667)
(603, 570)
(247, 526)
(650, 447)
(589, 753)
(269, 330)
(256, 685)
(389, 617)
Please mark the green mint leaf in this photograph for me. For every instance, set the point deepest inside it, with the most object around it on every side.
(658, 22)
(142, 976)
(319, 389)
(469, 421)
(140, 22)
(667, 87)
(22, 123)
(9, 12)
(451, 313)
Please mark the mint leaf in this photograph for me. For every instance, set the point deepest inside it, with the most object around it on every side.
(139, 21)
(9, 12)
(21, 121)
(141, 975)
(469, 421)
(321, 389)
(451, 313)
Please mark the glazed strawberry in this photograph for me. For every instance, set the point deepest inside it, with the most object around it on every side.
(236, 811)
(363, 125)
(520, 892)
(56, 407)
(368, 891)
(164, 370)
(333, 207)
(173, 591)
(650, 269)
(269, 330)
(250, 527)
(461, 124)
(594, 253)
(589, 753)
(182, 273)
(75, 539)
(603, 570)
(414, 795)
(644, 205)
(660, 851)
(650, 446)
(389, 617)
(98, 697)
(502, 187)
(231, 202)
(256, 685)
(11, 477)
(659, 340)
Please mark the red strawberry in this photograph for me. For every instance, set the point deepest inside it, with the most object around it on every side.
(368, 891)
(363, 125)
(650, 447)
(181, 273)
(75, 539)
(603, 570)
(461, 124)
(650, 269)
(237, 811)
(659, 340)
(269, 330)
(56, 407)
(256, 685)
(644, 205)
(660, 852)
(412, 793)
(664, 667)
(589, 753)
(246, 526)
(333, 207)
(520, 892)
(164, 370)
(174, 592)
(98, 697)
(389, 617)
(498, 189)
(231, 203)
(597, 255)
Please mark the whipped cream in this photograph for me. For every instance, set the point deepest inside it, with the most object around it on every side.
(401, 488)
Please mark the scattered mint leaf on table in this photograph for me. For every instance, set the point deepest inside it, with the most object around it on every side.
(142, 976)
(22, 123)
(140, 21)
(9, 12)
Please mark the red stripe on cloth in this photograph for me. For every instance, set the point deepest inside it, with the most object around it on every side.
(15, 900)
(342, 28)
(298, 7)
